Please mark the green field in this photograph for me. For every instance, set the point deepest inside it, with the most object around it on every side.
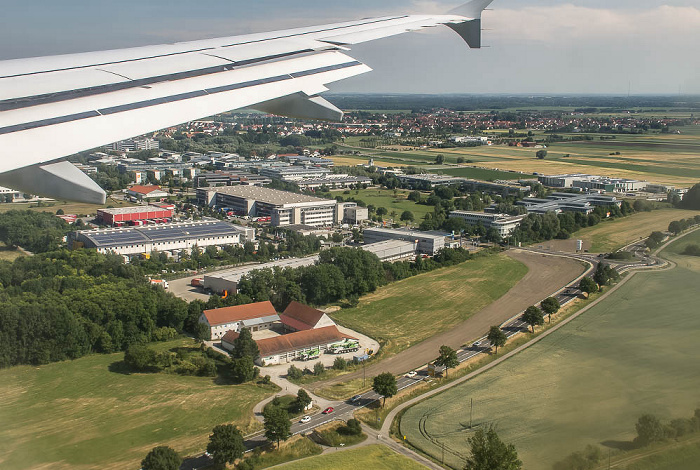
(9, 254)
(68, 207)
(375, 457)
(681, 458)
(636, 352)
(610, 235)
(409, 311)
(385, 198)
(80, 415)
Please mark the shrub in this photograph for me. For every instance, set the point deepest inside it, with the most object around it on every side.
(294, 372)
(319, 368)
(340, 363)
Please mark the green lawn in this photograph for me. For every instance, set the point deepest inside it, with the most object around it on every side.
(610, 235)
(375, 457)
(79, 415)
(393, 202)
(409, 311)
(682, 458)
(636, 352)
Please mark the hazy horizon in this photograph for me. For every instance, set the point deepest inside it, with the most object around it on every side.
(581, 47)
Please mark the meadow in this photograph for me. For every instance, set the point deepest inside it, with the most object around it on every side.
(76, 208)
(376, 457)
(587, 383)
(82, 415)
(393, 201)
(610, 235)
(409, 311)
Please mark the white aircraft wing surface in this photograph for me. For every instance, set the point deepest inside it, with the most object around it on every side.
(53, 107)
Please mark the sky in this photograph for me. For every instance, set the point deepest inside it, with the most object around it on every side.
(535, 46)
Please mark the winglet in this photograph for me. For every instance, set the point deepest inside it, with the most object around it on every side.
(470, 30)
(472, 9)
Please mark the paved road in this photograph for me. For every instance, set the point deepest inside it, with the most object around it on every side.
(345, 409)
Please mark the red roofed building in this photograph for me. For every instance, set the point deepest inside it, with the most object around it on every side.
(255, 317)
(284, 348)
(300, 317)
(142, 193)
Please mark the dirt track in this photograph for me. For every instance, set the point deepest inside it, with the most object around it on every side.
(546, 275)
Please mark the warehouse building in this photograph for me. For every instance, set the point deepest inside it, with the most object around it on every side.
(292, 173)
(283, 207)
(429, 180)
(255, 317)
(146, 193)
(392, 250)
(227, 281)
(300, 317)
(503, 223)
(128, 215)
(427, 243)
(163, 238)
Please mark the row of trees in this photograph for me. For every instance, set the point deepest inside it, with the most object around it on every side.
(341, 273)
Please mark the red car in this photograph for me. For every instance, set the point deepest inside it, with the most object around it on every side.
(328, 410)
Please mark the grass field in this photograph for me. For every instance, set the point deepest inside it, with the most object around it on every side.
(79, 415)
(385, 198)
(634, 353)
(8, 253)
(613, 234)
(375, 457)
(409, 311)
(682, 458)
(68, 207)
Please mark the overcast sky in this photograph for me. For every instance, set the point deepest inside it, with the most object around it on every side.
(536, 46)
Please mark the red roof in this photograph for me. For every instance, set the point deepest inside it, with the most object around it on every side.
(300, 316)
(300, 340)
(230, 336)
(221, 316)
(144, 189)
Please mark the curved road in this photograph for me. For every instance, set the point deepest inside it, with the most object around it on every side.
(546, 274)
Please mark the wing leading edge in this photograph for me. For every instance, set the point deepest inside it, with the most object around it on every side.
(52, 107)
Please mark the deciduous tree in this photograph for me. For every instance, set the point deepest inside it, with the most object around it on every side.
(225, 444)
(161, 458)
(385, 385)
(447, 358)
(277, 424)
(497, 337)
(533, 316)
(550, 306)
(489, 452)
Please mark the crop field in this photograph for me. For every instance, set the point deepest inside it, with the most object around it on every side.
(613, 234)
(587, 383)
(80, 415)
(409, 311)
(385, 198)
(376, 457)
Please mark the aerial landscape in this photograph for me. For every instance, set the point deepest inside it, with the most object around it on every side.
(247, 249)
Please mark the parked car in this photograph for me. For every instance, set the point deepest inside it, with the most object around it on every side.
(328, 410)
(305, 419)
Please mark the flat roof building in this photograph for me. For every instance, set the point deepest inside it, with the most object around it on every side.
(123, 215)
(568, 202)
(283, 207)
(166, 237)
(391, 250)
(592, 182)
(228, 280)
(427, 243)
(503, 223)
(291, 173)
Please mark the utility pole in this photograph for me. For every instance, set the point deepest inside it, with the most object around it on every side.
(471, 409)
(364, 376)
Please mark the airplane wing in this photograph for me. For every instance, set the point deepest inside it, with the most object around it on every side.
(52, 107)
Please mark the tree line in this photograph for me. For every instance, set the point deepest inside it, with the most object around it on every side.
(66, 304)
